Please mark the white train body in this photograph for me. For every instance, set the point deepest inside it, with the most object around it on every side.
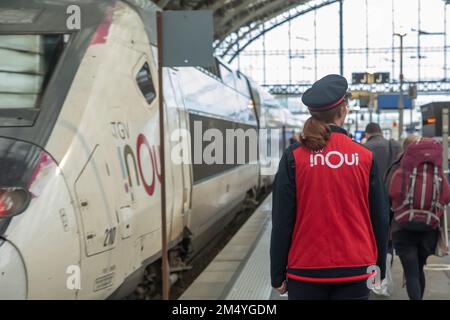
(83, 161)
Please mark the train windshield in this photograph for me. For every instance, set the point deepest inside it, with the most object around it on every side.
(27, 63)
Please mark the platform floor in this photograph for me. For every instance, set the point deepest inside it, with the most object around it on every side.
(241, 270)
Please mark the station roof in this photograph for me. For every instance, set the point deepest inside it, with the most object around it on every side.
(237, 23)
(232, 15)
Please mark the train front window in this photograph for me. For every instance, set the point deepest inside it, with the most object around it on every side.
(27, 63)
(145, 83)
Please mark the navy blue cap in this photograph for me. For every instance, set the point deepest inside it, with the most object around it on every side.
(326, 93)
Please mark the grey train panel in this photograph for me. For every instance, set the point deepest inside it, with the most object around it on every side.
(204, 171)
(52, 20)
(41, 16)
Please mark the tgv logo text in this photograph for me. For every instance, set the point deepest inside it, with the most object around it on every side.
(333, 159)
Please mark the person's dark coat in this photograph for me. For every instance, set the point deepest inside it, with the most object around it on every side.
(384, 151)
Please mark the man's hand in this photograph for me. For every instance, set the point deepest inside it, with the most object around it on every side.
(283, 288)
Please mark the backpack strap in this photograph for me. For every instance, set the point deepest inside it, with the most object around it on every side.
(436, 181)
(410, 195)
(424, 185)
(412, 212)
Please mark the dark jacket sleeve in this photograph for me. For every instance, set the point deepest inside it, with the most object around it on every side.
(283, 217)
(379, 215)
(387, 182)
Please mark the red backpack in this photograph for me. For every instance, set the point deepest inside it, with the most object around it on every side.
(419, 190)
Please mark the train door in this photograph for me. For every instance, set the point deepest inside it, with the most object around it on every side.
(96, 200)
(146, 73)
(172, 124)
(183, 125)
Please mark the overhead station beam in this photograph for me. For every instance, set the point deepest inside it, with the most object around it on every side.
(255, 14)
(245, 5)
(237, 19)
(240, 22)
(237, 41)
(423, 87)
(220, 4)
(163, 3)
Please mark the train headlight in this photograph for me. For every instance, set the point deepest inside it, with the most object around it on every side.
(13, 201)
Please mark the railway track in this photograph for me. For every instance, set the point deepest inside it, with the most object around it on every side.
(202, 259)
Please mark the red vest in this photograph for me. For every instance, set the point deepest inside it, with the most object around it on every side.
(333, 227)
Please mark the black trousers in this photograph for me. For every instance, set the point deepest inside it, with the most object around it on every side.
(301, 290)
(413, 249)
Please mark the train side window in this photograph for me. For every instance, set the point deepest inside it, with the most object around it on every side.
(242, 85)
(145, 83)
(227, 76)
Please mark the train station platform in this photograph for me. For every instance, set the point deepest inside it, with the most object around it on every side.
(241, 270)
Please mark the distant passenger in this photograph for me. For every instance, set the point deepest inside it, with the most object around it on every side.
(364, 138)
(330, 211)
(295, 138)
(394, 166)
(385, 151)
(387, 288)
(418, 190)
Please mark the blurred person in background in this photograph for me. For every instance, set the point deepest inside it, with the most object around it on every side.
(418, 192)
(385, 151)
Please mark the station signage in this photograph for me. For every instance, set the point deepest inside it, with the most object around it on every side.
(370, 78)
(390, 101)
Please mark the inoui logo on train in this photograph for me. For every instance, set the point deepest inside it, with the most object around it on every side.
(129, 155)
(333, 159)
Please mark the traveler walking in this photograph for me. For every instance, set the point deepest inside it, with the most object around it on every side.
(385, 151)
(419, 192)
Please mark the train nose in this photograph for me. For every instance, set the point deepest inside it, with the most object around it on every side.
(24, 168)
(13, 281)
(20, 166)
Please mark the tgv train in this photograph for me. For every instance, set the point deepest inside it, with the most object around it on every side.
(80, 171)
